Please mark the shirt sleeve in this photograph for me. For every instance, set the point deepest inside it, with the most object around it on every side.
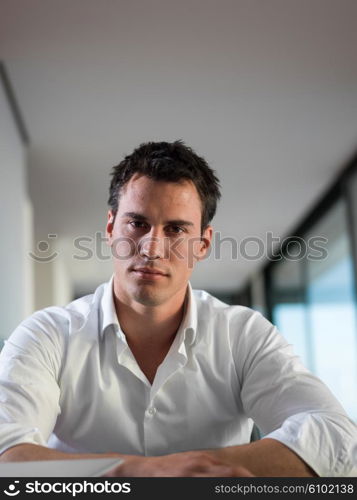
(30, 364)
(290, 404)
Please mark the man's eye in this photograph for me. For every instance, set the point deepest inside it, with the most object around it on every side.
(175, 229)
(137, 224)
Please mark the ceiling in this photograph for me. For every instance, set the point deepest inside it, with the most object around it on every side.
(265, 90)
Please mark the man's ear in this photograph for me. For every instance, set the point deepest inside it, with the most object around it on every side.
(205, 243)
(110, 226)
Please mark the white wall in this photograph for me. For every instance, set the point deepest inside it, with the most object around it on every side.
(16, 286)
(258, 293)
(29, 270)
(53, 282)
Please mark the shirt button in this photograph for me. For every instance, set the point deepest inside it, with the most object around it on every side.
(151, 411)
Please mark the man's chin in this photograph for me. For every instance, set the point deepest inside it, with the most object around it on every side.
(147, 299)
(147, 294)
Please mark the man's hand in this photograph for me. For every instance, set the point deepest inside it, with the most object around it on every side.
(186, 464)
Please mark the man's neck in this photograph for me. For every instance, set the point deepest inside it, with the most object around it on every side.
(147, 325)
(150, 331)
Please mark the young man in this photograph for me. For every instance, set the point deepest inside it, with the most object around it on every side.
(147, 369)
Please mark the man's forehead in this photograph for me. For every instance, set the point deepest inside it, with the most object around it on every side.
(180, 200)
(142, 181)
(142, 186)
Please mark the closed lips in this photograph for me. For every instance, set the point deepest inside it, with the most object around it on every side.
(148, 271)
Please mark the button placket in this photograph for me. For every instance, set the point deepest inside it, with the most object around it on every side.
(149, 426)
(151, 411)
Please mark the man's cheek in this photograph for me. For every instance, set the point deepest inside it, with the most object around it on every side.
(190, 251)
(176, 250)
(123, 248)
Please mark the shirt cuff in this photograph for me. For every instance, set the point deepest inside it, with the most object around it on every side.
(13, 434)
(327, 442)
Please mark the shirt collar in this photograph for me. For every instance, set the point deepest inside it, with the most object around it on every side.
(109, 316)
(189, 322)
(108, 308)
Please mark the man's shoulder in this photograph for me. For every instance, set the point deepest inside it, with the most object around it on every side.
(209, 305)
(244, 328)
(50, 329)
(68, 317)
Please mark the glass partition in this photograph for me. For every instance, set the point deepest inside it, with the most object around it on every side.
(313, 304)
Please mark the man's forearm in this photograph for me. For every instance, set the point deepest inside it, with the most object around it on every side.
(179, 464)
(266, 457)
(26, 451)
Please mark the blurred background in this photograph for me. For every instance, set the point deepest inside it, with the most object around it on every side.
(265, 90)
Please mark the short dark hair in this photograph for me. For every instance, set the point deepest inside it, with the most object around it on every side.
(170, 162)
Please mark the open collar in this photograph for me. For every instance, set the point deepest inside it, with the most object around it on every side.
(188, 325)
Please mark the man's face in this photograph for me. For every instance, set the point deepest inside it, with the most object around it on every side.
(156, 239)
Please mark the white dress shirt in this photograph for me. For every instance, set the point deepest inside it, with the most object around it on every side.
(68, 380)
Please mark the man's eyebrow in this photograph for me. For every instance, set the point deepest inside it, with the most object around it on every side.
(134, 215)
(141, 217)
(180, 222)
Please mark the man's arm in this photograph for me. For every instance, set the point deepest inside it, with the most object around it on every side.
(306, 430)
(263, 458)
(200, 464)
(27, 451)
(266, 457)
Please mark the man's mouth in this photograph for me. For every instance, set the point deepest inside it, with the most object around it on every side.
(149, 272)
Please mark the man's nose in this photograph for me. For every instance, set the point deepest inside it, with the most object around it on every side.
(152, 246)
